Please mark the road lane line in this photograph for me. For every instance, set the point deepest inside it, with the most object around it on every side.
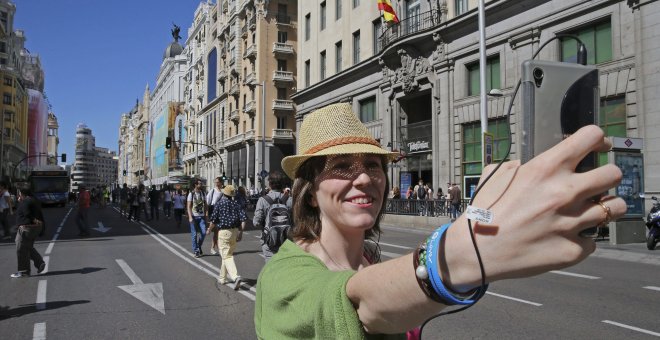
(49, 249)
(652, 288)
(575, 275)
(394, 245)
(161, 238)
(632, 328)
(41, 295)
(47, 261)
(129, 272)
(390, 255)
(515, 299)
(39, 332)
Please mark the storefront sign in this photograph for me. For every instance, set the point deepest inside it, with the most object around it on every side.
(418, 146)
(632, 167)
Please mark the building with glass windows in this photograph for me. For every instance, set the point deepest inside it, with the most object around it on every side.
(415, 84)
(93, 166)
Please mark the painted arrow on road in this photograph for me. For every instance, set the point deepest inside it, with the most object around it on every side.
(102, 228)
(149, 293)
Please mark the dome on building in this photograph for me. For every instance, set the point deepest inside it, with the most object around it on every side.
(172, 50)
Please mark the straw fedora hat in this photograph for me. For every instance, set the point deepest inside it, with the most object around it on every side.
(229, 190)
(332, 130)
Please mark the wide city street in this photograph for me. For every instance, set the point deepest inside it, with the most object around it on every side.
(133, 280)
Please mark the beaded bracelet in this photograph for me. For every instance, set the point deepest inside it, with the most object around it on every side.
(419, 263)
(432, 266)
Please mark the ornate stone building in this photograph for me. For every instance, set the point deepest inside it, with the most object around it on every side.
(53, 139)
(415, 84)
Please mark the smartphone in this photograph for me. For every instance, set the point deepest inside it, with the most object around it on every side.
(557, 99)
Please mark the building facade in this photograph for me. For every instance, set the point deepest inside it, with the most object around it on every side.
(53, 139)
(415, 84)
(93, 166)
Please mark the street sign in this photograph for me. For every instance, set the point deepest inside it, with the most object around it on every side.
(488, 148)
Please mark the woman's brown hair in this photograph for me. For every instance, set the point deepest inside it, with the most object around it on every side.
(306, 218)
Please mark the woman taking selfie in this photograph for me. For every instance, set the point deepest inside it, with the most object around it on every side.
(328, 282)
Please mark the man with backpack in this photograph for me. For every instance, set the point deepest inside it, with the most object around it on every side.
(273, 215)
(196, 217)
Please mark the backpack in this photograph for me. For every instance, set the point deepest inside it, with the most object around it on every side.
(278, 222)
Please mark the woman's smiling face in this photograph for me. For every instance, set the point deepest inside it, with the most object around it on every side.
(349, 191)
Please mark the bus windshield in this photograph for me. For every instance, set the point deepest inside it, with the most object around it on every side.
(50, 184)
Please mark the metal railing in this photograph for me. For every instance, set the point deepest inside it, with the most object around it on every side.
(282, 18)
(409, 26)
(432, 208)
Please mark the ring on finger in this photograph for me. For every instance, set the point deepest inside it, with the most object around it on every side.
(608, 214)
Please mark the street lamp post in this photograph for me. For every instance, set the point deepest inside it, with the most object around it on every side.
(262, 158)
(483, 108)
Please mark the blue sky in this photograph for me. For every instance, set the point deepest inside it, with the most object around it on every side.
(98, 56)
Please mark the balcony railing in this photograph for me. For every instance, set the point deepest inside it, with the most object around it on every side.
(234, 140)
(282, 134)
(249, 135)
(250, 106)
(249, 78)
(283, 76)
(233, 115)
(283, 104)
(283, 48)
(234, 90)
(250, 52)
(282, 18)
(409, 26)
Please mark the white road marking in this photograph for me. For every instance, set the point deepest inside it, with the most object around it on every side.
(47, 261)
(41, 295)
(39, 332)
(394, 245)
(149, 293)
(49, 249)
(652, 288)
(388, 254)
(575, 275)
(101, 227)
(515, 299)
(632, 328)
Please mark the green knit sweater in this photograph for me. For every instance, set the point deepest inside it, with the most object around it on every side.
(298, 297)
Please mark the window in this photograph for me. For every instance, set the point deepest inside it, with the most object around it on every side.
(377, 25)
(412, 16)
(472, 144)
(368, 111)
(356, 47)
(281, 122)
(322, 65)
(3, 47)
(597, 39)
(9, 81)
(307, 70)
(356, 3)
(308, 28)
(6, 98)
(282, 37)
(492, 76)
(338, 9)
(281, 93)
(338, 57)
(322, 16)
(281, 65)
(461, 6)
(612, 119)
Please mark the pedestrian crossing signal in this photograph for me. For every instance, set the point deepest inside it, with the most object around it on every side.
(168, 142)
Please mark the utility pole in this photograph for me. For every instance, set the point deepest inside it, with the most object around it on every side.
(483, 103)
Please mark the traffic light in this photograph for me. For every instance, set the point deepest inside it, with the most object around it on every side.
(63, 158)
(168, 142)
(124, 173)
(224, 178)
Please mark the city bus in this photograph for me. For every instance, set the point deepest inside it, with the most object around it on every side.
(50, 186)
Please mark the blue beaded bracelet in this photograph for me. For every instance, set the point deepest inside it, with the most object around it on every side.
(432, 265)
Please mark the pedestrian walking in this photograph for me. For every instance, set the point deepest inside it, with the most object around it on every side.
(84, 202)
(229, 218)
(154, 199)
(277, 182)
(142, 202)
(212, 198)
(134, 203)
(455, 193)
(123, 200)
(6, 210)
(167, 202)
(30, 221)
(196, 214)
(179, 205)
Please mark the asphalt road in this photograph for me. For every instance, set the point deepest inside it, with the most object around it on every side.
(140, 281)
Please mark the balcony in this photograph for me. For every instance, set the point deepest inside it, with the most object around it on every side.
(233, 115)
(249, 78)
(222, 74)
(282, 18)
(283, 134)
(234, 140)
(249, 135)
(250, 52)
(282, 48)
(250, 107)
(253, 22)
(283, 76)
(283, 105)
(189, 156)
(234, 90)
(409, 26)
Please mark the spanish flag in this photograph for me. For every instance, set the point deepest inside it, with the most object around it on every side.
(388, 12)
